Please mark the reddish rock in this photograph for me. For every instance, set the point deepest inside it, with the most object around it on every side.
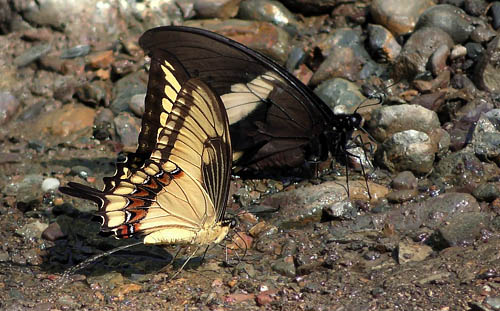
(216, 8)
(100, 59)
(264, 298)
(261, 36)
(400, 17)
(69, 119)
(236, 298)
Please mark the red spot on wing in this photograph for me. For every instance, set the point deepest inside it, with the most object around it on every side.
(138, 214)
(178, 174)
(135, 203)
(141, 192)
(164, 179)
(126, 231)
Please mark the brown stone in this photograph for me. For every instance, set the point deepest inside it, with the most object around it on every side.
(66, 120)
(100, 59)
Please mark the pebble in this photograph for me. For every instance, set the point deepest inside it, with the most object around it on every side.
(474, 50)
(346, 58)
(412, 252)
(371, 255)
(400, 196)
(340, 210)
(32, 54)
(264, 37)
(64, 88)
(76, 51)
(439, 58)
(495, 13)
(80, 170)
(32, 230)
(127, 129)
(93, 93)
(62, 122)
(400, 17)
(448, 18)
(418, 49)
(284, 266)
(482, 34)
(463, 229)
(388, 120)
(125, 88)
(458, 51)
(487, 192)
(460, 169)
(340, 94)
(404, 181)
(487, 73)
(408, 150)
(432, 213)
(493, 301)
(295, 58)
(382, 43)
(102, 59)
(222, 9)
(138, 104)
(269, 11)
(50, 184)
(475, 7)
(53, 232)
(9, 105)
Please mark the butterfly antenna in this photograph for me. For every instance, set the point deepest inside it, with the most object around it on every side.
(92, 259)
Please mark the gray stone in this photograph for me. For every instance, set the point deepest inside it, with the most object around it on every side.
(418, 49)
(9, 105)
(339, 92)
(388, 120)
(50, 184)
(408, 150)
(487, 73)
(463, 229)
(269, 11)
(284, 267)
(32, 54)
(448, 18)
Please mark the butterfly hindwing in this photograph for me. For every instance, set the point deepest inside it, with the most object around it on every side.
(173, 189)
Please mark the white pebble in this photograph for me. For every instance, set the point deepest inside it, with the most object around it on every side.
(50, 184)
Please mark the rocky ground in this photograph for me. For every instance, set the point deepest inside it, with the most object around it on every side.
(71, 96)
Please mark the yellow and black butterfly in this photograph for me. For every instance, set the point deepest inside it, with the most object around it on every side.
(174, 188)
(276, 122)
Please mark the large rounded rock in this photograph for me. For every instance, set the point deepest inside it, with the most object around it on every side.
(418, 49)
(408, 150)
(448, 18)
(399, 16)
(388, 120)
(487, 73)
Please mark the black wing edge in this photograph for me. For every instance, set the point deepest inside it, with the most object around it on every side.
(84, 192)
(148, 42)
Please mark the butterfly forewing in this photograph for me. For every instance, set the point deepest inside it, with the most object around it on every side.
(173, 189)
(271, 113)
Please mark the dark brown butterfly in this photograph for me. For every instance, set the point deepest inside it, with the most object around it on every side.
(276, 122)
(174, 188)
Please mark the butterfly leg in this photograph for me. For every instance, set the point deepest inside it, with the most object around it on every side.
(204, 253)
(172, 261)
(184, 264)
